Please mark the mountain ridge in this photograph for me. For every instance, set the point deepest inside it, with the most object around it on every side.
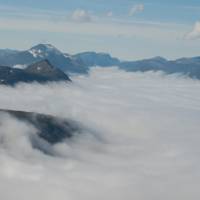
(8, 51)
(91, 59)
(192, 69)
(78, 63)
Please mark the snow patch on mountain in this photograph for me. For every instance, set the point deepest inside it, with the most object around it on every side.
(51, 48)
(33, 53)
(67, 56)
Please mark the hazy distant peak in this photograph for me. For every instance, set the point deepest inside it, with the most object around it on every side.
(98, 59)
(8, 51)
(159, 58)
(102, 53)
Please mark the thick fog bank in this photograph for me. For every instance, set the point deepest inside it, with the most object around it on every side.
(140, 140)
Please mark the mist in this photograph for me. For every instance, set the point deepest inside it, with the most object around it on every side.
(139, 140)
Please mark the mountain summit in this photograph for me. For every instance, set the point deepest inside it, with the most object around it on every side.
(43, 50)
(44, 69)
(63, 61)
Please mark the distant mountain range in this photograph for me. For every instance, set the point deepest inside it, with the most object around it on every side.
(79, 62)
(8, 51)
(105, 60)
(188, 66)
(63, 61)
(42, 71)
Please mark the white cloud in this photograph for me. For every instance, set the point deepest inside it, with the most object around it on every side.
(20, 66)
(134, 9)
(142, 132)
(79, 16)
(195, 33)
(109, 14)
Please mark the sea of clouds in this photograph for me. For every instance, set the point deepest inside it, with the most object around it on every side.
(141, 138)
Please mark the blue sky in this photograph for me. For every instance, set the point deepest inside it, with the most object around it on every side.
(128, 30)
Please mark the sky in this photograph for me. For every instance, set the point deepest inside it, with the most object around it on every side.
(128, 30)
(140, 138)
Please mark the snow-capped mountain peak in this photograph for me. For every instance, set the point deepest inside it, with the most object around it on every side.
(42, 50)
(63, 61)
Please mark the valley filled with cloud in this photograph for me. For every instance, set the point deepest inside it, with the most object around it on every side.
(139, 139)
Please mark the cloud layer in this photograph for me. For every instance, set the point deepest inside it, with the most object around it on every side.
(141, 138)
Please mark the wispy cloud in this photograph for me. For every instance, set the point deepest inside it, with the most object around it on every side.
(108, 28)
(105, 16)
(195, 33)
(134, 9)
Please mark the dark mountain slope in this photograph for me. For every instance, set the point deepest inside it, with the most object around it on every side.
(41, 72)
(44, 69)
(52, 129)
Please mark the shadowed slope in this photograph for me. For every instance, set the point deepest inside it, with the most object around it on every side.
(52, 129)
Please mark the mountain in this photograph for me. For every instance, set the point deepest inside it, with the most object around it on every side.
(125, 65)
(105, 60)
(98, 59)
(192, 69)
(63, 61)
(8, 51)
(42, 71)
(159, 58)
(194, 60)
(147, 65)
(51, 129)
